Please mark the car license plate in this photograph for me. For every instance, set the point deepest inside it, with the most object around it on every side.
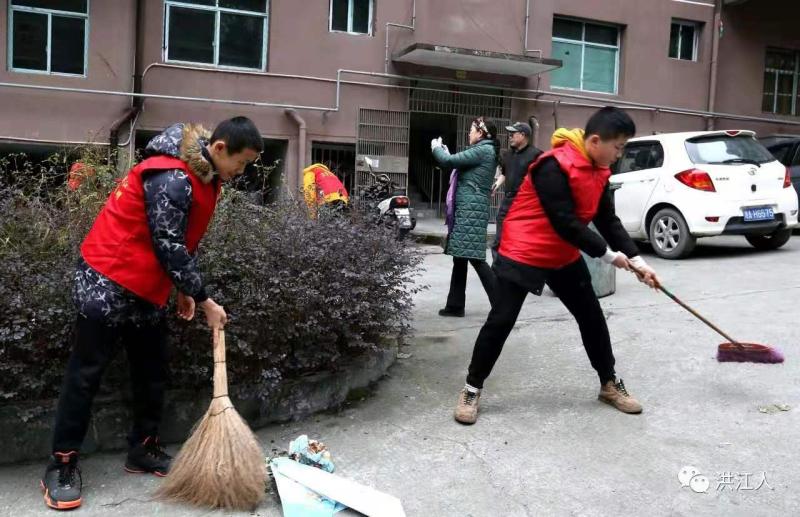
(759, 213)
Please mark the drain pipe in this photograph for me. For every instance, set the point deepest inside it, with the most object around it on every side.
(556, 104)
(399, 26)
(534, 123)
(712, 83)
(525, 49)
(138, 54)
(136, 102)
(301, 141)
(113, 137)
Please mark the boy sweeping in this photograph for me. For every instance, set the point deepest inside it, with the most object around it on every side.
(143, 242)
(543, 234)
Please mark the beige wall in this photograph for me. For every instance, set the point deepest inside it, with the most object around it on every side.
(646, 73)
(302, 45)
(61, 116)
(750, 28)
(299, 43)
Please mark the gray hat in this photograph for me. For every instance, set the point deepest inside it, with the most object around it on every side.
(519, 127)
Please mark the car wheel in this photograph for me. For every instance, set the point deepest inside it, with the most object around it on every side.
(772, 241)
(669, 235)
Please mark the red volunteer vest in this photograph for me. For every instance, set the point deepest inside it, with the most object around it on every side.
(528, 236)
(328, 184)
(119, 245)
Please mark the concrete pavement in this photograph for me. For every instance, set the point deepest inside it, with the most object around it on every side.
(543, 444)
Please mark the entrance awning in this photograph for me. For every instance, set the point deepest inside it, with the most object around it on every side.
(472, 60)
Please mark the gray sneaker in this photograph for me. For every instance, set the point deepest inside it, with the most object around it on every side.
(62, 483)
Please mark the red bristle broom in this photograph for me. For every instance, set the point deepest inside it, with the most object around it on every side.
(733, 351)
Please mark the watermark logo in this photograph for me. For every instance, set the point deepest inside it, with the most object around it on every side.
(697, 482)
(691, 477)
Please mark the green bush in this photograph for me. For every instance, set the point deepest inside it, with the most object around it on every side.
(302, 295)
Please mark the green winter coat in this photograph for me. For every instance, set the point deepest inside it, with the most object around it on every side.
(476, 167)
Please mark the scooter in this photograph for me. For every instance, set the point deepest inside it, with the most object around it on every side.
(387, 204)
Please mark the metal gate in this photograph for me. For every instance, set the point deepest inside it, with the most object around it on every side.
(459, 99)
(464, 122)
(383, 137)
(339, 158)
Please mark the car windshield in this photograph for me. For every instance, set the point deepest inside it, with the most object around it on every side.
(726, 149)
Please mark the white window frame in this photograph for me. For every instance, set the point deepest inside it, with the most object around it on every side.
(217, 11)
(583, 43)
(49, 13)
(795, 111)
(695, 42)
(350, 19)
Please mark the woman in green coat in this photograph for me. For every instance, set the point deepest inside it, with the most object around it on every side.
(468, 209)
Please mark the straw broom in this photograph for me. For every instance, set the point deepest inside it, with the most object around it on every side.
(221, 465)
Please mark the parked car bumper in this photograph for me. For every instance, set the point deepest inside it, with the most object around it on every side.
(730, 216)
(738, 226)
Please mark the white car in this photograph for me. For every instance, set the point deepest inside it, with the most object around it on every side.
(673, 188)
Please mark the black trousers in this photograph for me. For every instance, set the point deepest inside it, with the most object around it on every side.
(456, 298)
(573, 286)
(94, 346)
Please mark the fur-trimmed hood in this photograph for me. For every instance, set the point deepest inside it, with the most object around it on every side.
(185, 142)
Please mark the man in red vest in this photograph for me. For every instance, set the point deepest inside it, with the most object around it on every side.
(544, 232)
(142, 244)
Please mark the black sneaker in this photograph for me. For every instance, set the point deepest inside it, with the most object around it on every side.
(62, 481)
(451, 312)
(148, 456)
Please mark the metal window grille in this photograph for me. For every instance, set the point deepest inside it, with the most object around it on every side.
(782, 82)
(383, 137)
(459, 100)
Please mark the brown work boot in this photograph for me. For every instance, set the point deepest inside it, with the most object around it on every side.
(467, 408)
(615, 394)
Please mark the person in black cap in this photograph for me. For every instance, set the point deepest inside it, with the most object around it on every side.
(515, 166)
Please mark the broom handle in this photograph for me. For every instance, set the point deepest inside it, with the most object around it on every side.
(696, 314)
(220, 371)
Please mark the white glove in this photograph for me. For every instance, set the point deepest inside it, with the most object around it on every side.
(639, 262)
(498, 182)
(648, 275)
(436, 142)
(616, 258)
(610, 256)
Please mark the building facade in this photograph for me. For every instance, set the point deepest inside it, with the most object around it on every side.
(333, 80)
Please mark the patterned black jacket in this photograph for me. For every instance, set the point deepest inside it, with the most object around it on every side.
(168, 196)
